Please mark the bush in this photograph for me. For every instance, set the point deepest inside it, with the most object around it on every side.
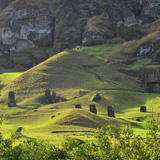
(118, 144)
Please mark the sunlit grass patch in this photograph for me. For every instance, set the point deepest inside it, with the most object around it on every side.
(77, 76)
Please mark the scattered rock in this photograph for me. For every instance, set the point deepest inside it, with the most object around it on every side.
(138, 119)
(77, 106)
(53, 116)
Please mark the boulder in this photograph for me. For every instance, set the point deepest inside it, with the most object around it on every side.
(138, 119)
(77, 106)
(53, 116)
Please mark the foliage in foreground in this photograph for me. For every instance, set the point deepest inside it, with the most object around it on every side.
(110, 144)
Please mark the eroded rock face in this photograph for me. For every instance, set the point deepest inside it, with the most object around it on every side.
(91, 23)
(151, 80)
(81, 22)
(71, 26)
(126, 16)
(23, 26)
(150, 48)
(4, 4)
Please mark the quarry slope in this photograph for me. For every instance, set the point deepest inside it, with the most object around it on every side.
(78, 76)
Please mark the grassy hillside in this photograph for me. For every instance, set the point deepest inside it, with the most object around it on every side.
(77, 76)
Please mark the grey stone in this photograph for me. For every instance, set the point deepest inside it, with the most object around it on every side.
(111, 111)
(138, 119)
(11, 96)
(93, 108)
(24, 26)
(53, 116)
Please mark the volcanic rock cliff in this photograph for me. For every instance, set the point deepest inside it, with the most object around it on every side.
(62, 24)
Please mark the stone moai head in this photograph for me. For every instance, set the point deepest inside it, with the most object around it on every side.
(48, 97)
(11, 96)
(53, 94)
(47, 92)
(111, 111)
(96, 98)
(92, 108)
(143, 109)
(19, 130)
(77, 106)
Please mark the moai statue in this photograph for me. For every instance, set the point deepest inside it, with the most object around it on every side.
(77, 106)
(19, 130)
(143, 109)
(48, 97)
(111, 111)
(93, 108)
(54, 97)
(97, 98)
(12, 102)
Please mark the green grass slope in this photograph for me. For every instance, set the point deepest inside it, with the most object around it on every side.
(77, 76)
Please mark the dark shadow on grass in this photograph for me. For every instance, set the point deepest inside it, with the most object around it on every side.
(27, 108)
(72, 131)
(133, 124)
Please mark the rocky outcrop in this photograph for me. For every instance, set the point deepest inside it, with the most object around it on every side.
(127, 16)
(80, 22)
(149, 77)
(5, 4)
(63, 24)
(25, 26)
